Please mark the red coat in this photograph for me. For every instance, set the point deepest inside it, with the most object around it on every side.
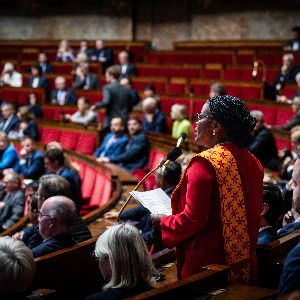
(195, 227)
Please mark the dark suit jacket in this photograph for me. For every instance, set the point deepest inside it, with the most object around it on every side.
(158, 125)
(75, 183)
(288, 228)
(32, 130)
(91, 81)
(264, 148)
(267, 236)
(9, 158)
(13, 123)
(292, 122)
(107, 53)
(36, 110)
(289, 77)
(70, 97)
(115, 148)
(46, 68)
(117, 101)
(53, 244)
(130, 70)
(33, 166)
(13, 209)
(136, 153)
(43, 82)
(290, 277)
(79, 232)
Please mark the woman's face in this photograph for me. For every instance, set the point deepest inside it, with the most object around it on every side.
(204, 127)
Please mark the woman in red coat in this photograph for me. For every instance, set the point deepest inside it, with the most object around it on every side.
(216, 206)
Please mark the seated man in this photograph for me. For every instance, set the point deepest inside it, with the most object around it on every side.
(9, 120)
(295, 121)
(56, 216)
(44, 63)
(62, 95)
(294, 43)
(127, 69)
(271, 212)
(8, 153)
(263, 145)
(84, 115)
(114, 142)
(154, 120)
(32, 160)
(136, 154)
(85, 79)
(103, 54)
(12, 205)
(54, 160)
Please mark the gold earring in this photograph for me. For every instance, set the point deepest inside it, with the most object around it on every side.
(214, 132)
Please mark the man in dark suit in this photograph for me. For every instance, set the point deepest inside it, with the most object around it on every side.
(56, 216)
(263, 145)
(116, 98)
(136, 153)
(9, 120)
(127, 69)
(114, 142)
(62, 95)
(291, 220)
(9, 158)
(54, 160)
(44, 63)
(32, 160)
(271, 212)
(12, 205)
(84, 79)
(103, 54)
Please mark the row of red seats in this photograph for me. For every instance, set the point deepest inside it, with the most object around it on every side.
(81, 141)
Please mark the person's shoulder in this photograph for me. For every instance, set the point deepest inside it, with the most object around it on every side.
(38, 154)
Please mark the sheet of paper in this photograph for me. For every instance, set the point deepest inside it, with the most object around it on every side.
(157, 201)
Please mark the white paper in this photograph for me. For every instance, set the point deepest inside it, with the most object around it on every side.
(157, 201)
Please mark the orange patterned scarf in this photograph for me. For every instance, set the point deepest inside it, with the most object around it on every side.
(233, 212)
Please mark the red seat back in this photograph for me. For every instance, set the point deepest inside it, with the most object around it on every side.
(68, 139)
(88, 183)
(49, 135)
(86, 143)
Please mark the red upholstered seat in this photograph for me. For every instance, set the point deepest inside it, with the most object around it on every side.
(233, 90)
(177, 88)
(10, 95)
(92, 96)
(62, 68)
(211, 74)
(283, 115)
(232, 74)
(68, 139)
(88, 183)
(86, 143)
(200, 88)
(289, 91)
(48, 113)
(197, 106)
(282, 144)
(98, 190)
(270, 113)
(23, 95)
(166, 103)
(244, 59)
(49, 135)
(251, 92)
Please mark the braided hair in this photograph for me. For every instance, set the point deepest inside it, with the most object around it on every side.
(233, 115)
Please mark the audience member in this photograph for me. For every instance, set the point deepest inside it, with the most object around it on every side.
(33, 105)
(17, 269)
(114, 142)
(10, 77)
(116, 98)
(84, 114)
(124, 262)
(154, 120)
(27, 125)
(263, 145)
(103, 54)
(149, 92)
(8, 153)
(180, 122)
(217, 89)
(84, 48)
(37, 79)
(296, 119)
(284, 98)
(272, 210)
(64, 52)
(62, 95)
(54, 163)
(294, 43)
(44, 63)
(12, 205)
(32, 160)
(127, 69)
(125, 81)
(9, 120)
(135, 156)
(291, 220)
(56, 216)
(84, 79)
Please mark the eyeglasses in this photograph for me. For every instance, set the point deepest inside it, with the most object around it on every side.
(202, 116)
(40, 215)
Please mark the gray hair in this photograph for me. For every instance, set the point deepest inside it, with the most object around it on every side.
(16, 264)
(128, 256)
(258, 115)
(179, 110)
(297, 77)
(218, 89)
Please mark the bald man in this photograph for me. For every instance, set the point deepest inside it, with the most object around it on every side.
(154, 120)
(56, 216)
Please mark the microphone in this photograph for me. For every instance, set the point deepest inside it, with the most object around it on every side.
(181, 139)
(254, 72)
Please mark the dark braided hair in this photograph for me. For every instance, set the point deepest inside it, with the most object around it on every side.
(233, 115)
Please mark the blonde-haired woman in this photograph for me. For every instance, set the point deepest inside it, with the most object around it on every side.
(124, 262)
(180, 124)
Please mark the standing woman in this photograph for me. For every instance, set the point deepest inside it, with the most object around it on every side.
(216, 206)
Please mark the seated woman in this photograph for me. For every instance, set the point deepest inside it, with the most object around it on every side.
(64, 52)
(124, 262)
(33, 105)
(181, 124)
(27, 125)
(37, 80)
